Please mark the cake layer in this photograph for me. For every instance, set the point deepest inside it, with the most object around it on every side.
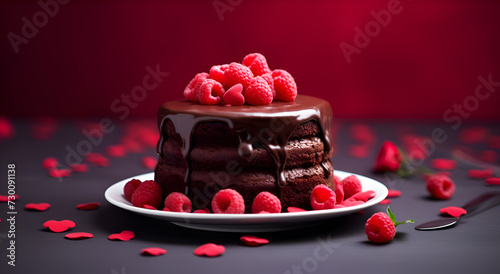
(307, 151)
(204, 184)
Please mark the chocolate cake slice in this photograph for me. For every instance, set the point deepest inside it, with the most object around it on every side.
(284, 148)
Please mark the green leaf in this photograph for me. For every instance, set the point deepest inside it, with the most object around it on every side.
(393, 218)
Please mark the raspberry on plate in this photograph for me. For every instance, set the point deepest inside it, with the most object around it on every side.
(238, 74)
(190, 91)
(440, 186)
(228, 201)
(351, 185)
(148, 193)
(130, 188)
(257, 63)
(284, 85)
(258, 92)
(322, 197)
(266, 201)
(178, 202)
(339, 190)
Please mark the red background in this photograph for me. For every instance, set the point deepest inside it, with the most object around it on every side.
(426, 59)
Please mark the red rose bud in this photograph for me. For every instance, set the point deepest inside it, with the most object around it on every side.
(388, 159)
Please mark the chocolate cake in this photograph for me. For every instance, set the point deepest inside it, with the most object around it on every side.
(284, 148)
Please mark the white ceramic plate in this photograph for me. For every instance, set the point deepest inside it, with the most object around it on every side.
(246, 222)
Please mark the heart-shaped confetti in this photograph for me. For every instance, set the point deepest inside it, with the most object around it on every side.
(149, 162)
(444, 164)
(393, 193)
(363, 196)
(79, 167)
(351, 202)
(6, 198)
(205, 210)
(385, 202)
(209, 250)
(453, 211)
(359, 151)
(295, 209)
(125, 235)
(153, 251)
(59, 173)
(149, 207)
(49, 163)
(254, 240)
(233, 96)
(116, 151)
(59, 226)
(97, 159)
(37, 207)
(493, 181)
(88, 206)
(480, 173)
(78, 235)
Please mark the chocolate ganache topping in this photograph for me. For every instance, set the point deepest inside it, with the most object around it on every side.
(270, 126)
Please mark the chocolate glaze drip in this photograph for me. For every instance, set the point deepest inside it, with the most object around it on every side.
(270, 126)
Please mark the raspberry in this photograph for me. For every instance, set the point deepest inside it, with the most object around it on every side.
(149, 192)
(285, 86)
(270, 81)
(258, 92)
(233, 96)
(210, 92)
(257, 63)
(266, 201)
(217, 73)
(228, 201)
(130, 188)
(389, 158)
(440, 186)
(339, 190)
(322, 197)
(191, 90)
(379, 228)
(351, 185)
(238, 74)
(178, 202)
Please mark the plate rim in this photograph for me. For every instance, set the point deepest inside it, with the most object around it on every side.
(247, 218)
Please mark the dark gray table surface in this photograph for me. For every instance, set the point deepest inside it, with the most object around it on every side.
(339, 245)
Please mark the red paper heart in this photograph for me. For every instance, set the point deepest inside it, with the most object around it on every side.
(59, 173)
(233, 96)
(253, 240)
(153, 251)
(359, 151)
(493, 181)
(50, 163)
(205, 210)
(453, 211)
(149, 207)
(480, 174)
(393, 193)
(362, 196)
(351, 202)
(78, 235)
(209, 250)
(444, 164)
(79, 167)
(149, 162)
(125, 235)
(6, 198)
(385, 202)
(295, 209)
(97, 159)
(59, 226)
(88, 206)
(37, 207)
(116, 150)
